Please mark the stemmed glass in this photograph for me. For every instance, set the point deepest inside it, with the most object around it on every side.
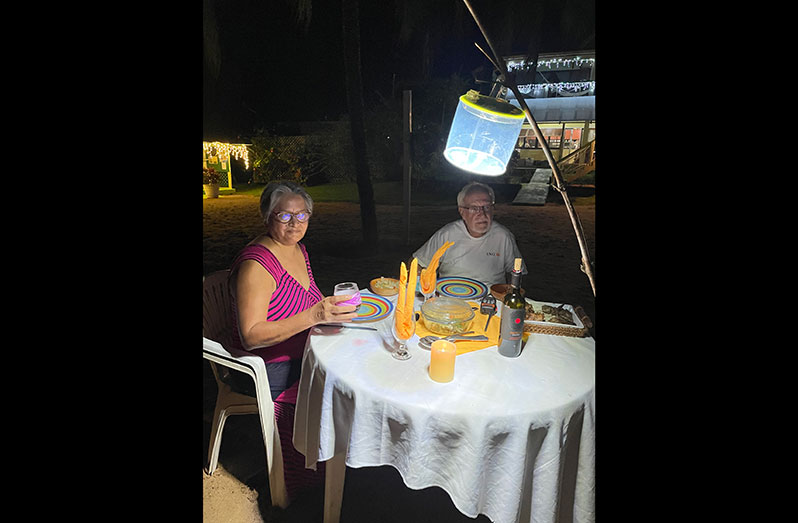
(401, 353)
(428, 295)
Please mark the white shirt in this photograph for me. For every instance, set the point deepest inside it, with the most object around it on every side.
(485, 259)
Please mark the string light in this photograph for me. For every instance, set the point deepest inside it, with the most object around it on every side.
(554, 63)
(562, 86)
(225, 150)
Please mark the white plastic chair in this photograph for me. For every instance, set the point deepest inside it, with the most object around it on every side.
(216, 335)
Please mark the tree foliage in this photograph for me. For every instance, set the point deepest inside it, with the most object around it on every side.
(276, 158)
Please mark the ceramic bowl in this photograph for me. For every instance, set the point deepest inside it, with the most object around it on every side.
(385, 286)
(499, 290)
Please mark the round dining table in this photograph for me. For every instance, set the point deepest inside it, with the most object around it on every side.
(510, 438)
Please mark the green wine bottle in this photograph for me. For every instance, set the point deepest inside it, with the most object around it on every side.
(513, 314)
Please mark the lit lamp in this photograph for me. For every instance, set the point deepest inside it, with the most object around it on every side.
(484, 134)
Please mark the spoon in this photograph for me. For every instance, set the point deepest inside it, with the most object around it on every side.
(426, 341)
(429, 339)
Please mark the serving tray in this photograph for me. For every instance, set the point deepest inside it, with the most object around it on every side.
(580, 330)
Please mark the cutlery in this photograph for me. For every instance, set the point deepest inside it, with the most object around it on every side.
(426, 341)
(430, 338)
(347, 326)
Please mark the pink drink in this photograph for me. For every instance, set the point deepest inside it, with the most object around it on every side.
(348, 288)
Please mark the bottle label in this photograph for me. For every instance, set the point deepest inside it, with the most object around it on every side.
(512, 327)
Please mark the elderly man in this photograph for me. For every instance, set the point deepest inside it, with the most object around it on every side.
(483, 249)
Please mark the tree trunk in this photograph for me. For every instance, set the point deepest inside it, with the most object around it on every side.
(354, 97)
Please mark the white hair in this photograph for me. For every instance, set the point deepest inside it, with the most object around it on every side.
(474, 187)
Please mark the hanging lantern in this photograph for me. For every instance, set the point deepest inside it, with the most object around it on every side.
(484, 134)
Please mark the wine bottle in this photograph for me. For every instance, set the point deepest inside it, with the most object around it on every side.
(513, 314)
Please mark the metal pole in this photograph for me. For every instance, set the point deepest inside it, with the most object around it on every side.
(407, 135)
(586, 266)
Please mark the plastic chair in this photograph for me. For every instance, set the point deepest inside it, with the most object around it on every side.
(216, 335)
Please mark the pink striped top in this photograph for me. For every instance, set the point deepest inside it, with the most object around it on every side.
(289, 298)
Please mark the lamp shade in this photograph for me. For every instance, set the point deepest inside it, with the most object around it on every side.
(484, 134)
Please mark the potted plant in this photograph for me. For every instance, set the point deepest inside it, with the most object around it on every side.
(210, 182)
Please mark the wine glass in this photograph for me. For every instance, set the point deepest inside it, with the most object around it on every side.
(401, 353)
(348, 287)
(428, 295)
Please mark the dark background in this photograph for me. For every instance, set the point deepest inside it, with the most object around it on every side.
(262, 65)
(147, 91)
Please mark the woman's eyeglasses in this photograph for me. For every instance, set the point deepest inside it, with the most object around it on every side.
(285, 216)
(476, 208)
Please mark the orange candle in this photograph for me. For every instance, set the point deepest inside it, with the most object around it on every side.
(441, 362)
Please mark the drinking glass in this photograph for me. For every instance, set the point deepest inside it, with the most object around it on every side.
(428, 295)
(348, 287)
(401, 353)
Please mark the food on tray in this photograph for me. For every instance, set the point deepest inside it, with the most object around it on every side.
(531, 314)
(385, 286)
(428, 278)
(559, 314)
(549, 314)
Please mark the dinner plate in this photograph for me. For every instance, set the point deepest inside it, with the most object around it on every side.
(464, 288)
(373, 307)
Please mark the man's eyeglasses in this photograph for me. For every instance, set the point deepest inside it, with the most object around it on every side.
(285, 216)
(476, 208)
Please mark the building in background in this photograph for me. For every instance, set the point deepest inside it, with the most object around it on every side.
(218, 155)
(560, 91)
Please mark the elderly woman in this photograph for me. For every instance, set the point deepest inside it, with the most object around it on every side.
(276, 301)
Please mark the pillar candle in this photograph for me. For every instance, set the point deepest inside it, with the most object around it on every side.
(441, 362)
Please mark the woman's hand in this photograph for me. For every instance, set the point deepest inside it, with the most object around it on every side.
(327, 311)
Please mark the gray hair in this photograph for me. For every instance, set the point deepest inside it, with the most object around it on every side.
(474, 187)
(274, 191)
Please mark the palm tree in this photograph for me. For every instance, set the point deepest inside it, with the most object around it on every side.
(350, 25)
(212, 59)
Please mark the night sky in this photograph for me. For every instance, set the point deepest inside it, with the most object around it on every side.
(267, 68)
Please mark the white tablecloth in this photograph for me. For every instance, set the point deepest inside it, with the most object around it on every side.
(509, 438)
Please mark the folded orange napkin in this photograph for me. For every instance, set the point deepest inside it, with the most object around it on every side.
(477, 325)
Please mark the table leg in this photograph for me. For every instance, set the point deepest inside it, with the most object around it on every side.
(334, 475)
